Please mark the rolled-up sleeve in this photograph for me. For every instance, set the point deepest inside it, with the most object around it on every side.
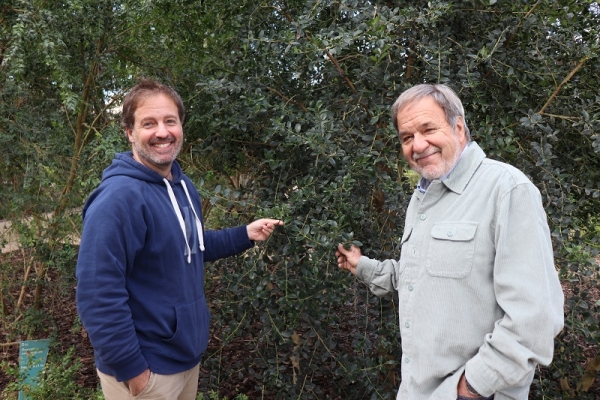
(380, 276)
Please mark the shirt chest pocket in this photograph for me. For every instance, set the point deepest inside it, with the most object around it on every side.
(451, 249)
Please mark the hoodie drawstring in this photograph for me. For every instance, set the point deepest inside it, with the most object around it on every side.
(180, 218)
(198, 223)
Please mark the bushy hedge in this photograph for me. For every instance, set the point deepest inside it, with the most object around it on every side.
(288, 117)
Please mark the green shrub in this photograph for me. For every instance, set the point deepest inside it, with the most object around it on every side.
(56, 381)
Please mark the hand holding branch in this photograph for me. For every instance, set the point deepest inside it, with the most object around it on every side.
(261, 229)
(348, 259)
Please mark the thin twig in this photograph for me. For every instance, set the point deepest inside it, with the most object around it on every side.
(329, 55)
(25, 278)
(557, 90)
(288, 100)
(329, 351)
(520, 23)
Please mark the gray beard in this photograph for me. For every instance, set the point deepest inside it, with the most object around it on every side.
(153, 158)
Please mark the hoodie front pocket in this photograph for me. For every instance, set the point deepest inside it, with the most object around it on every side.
(451, 249)
(191, 335)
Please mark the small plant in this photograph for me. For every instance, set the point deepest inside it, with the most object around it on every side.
(212, 395)
(57, 381)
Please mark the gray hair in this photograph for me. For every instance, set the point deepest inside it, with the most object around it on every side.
(445, 97)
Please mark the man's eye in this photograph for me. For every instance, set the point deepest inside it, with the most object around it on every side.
(406, 139)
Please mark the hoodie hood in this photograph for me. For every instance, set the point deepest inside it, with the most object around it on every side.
(125, 165)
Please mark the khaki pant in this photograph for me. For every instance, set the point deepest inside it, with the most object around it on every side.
(181, 386)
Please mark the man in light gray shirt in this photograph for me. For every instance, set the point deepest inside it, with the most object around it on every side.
(480, 299)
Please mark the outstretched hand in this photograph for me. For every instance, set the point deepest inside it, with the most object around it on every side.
(261, 229)
(348, 259)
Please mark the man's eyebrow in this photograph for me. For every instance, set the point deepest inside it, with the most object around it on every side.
(149, 118)
(153, 118)
(421, 126)
(427, 124)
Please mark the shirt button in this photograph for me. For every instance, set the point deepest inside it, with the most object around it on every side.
(406, 360)
(407, 324)
(410, 288)
(423, 217)
(450, 233)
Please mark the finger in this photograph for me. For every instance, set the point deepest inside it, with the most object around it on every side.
(354, 250)
(271, 226)
(273, 221)
(343, 250)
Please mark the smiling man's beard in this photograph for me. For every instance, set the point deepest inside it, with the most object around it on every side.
(439, 170)
(146, 153)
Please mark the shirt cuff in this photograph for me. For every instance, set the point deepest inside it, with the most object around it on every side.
(481, 377)
(365, 269)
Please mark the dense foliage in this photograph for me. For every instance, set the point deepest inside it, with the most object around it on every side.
(288, 116)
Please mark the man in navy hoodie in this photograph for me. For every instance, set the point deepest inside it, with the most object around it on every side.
(140, 271)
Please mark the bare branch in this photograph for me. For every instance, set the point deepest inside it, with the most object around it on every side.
(557, 90)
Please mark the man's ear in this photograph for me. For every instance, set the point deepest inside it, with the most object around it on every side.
(129, 133)
(460, 130)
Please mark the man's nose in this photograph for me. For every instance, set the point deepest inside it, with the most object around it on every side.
(162, 130)
(420, 144)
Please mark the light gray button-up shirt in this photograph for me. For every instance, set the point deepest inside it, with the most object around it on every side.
(477, 285)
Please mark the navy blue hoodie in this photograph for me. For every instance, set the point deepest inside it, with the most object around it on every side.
(140, 288)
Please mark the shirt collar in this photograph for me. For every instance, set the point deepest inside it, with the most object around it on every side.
(423, 183)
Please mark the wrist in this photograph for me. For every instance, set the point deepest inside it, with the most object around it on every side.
(471, 389)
